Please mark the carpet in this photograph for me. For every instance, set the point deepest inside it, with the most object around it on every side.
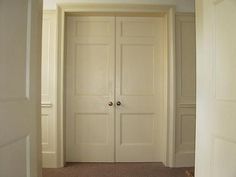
(115, 170)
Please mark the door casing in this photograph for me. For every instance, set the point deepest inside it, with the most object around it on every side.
(168, 13)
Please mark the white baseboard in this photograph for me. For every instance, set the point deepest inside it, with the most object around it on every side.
(49, 160)
(185, 159)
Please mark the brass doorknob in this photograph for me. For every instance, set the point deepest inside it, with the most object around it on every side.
(110, 104)
(118, 103)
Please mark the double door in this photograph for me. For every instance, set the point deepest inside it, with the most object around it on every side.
(114, 88)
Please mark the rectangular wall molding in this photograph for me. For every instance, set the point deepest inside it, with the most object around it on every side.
(186, 90)
(48, 105)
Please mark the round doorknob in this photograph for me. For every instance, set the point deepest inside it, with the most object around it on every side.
(118, 103)
(110, 103)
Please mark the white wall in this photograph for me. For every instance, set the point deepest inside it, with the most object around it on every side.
(181, 5)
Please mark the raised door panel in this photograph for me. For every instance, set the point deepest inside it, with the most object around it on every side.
(139, 53)
(223, 41)
(140, 133)
(137, 79)
(89, 89)
(91, 129)
(14, 85)
(15, 154)
(91, 69)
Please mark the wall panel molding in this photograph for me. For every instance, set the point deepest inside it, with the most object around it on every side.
(186, 60)
(185, 129)
(186, 90)
(48, 105)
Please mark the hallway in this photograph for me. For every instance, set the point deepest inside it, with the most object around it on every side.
(115, 170)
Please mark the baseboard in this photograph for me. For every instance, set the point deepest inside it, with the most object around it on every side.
(185, 159)
(49, 160)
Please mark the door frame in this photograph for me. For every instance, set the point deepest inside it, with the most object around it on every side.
(168, 12)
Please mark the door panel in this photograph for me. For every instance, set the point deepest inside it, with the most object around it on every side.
(20, 60)
(216, 88)
(91, 66)
(89, 89)
(137, 66)
(139, 77)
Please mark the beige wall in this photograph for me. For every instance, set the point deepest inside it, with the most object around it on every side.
(186, 89)
(48, 106)
(181, 5)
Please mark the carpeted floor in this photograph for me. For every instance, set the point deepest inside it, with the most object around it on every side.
(115, 170)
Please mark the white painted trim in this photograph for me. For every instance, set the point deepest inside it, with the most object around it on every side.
(49, 157)
(169, 13)
(46, 105)
(171, 87)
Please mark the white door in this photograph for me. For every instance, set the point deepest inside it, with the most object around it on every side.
(90, 89)
(100, 56)
(216, 88)
(20, 61)
(139, 88)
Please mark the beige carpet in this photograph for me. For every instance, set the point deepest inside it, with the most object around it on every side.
(115, 170)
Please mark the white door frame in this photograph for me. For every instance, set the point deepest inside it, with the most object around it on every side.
(168, 12)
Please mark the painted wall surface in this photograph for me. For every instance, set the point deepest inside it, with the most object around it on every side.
(181, 5)
(49, 90)
(186, 90)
